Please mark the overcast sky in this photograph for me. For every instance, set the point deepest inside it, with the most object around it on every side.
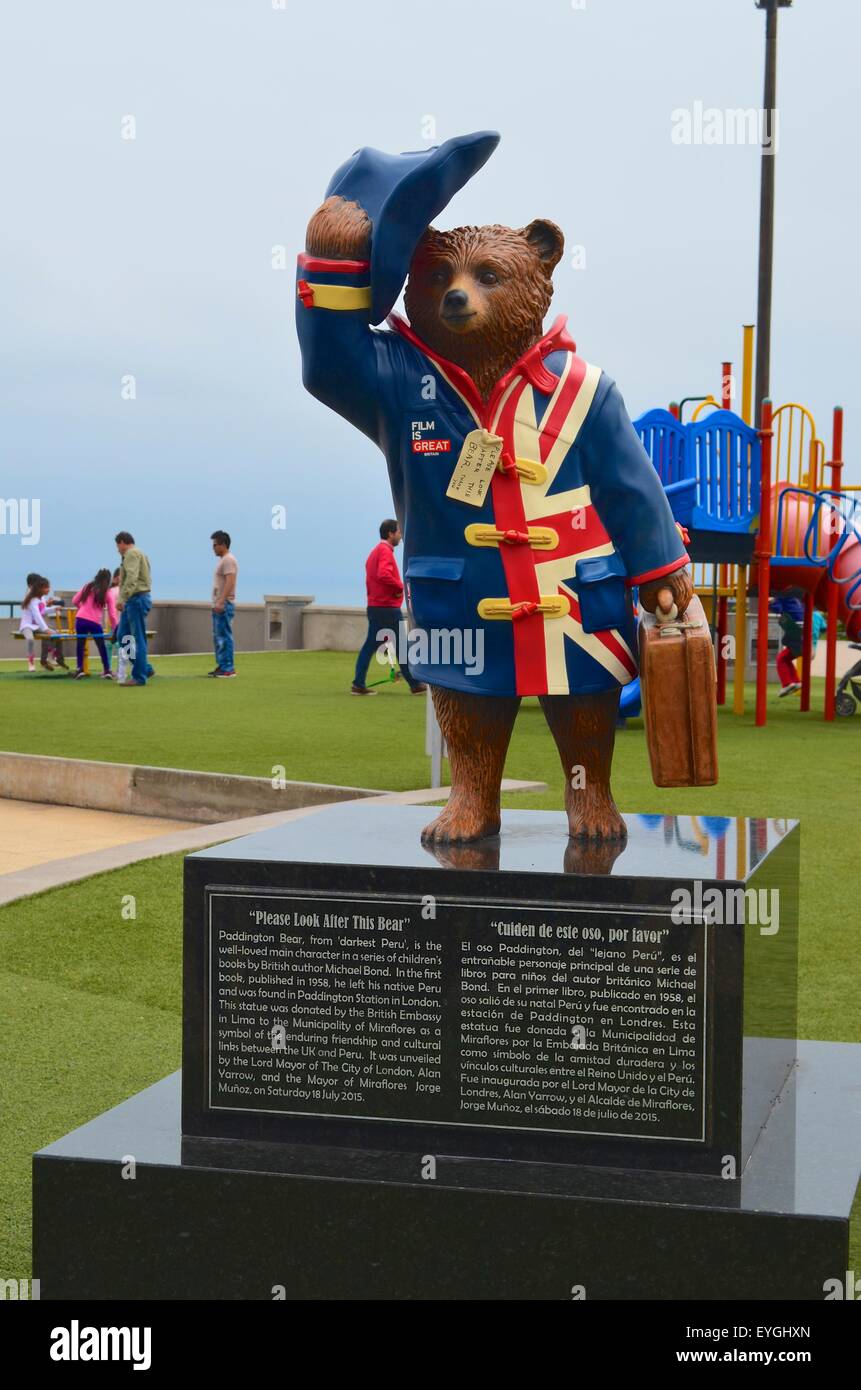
(152, 257)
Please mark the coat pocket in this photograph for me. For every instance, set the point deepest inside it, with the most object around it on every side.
(602, 592)
(435, 591)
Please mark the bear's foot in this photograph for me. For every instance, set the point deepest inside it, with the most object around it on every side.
(595, 817)
(460, 821)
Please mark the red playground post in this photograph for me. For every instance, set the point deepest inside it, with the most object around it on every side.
(831, 634)
(762, 554)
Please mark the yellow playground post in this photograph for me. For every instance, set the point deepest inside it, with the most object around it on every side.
(747, 373)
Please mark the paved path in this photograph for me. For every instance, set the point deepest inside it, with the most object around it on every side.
(32, 832)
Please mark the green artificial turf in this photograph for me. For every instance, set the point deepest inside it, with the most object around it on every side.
(91, 1007)
(292, 710)
(91, 1001)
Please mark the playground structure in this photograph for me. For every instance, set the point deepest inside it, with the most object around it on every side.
(762, 517)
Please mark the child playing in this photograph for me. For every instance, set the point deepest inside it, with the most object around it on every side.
(52, 652)
(32, 620)
(791, 610)
(90, 601)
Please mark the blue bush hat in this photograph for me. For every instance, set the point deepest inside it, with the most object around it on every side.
(402, 194)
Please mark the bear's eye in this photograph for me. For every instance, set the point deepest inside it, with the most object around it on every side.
(437, 277)
(488, 277)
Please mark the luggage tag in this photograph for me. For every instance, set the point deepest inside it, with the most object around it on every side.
(475, 468)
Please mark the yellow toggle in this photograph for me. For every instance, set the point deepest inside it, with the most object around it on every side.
(341, 296)
(551, 605)
(540, 537)
(528, 470)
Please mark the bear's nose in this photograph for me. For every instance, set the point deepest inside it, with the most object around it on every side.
(455, 300)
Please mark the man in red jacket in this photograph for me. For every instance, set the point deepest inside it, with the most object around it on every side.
(385, 596)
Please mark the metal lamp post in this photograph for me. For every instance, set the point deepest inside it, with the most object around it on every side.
(766, 206)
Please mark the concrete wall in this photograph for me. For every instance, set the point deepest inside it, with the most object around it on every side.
(157, 791)
(183, 626)
(187, 627)
(333, 629)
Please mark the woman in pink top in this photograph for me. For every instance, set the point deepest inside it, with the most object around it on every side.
(90, 601)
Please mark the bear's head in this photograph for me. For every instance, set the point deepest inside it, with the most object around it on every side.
(478, 295)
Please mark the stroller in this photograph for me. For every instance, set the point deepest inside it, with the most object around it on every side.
(848, 695)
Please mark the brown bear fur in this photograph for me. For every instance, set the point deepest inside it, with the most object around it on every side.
(505, 315)
(499, 284)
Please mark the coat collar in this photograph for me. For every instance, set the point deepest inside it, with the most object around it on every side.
(530, 365)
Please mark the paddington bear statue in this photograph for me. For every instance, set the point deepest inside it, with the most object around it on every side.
(528, 505)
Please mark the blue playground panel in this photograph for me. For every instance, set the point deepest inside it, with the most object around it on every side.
(665, 440)
(723, 454)
(709, 468)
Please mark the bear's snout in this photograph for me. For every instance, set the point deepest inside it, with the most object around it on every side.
(456, 301)
(456, 309)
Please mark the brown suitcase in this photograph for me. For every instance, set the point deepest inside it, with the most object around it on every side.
(677, 679)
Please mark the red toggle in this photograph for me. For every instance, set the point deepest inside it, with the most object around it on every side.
(532, 363)
(683, 532)
(515, 537)
(524, 610)
(540, 376)
(509, 463)
(305, 293)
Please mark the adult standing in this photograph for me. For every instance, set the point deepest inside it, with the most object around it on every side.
(385, 595)
(223, 605)
(135, 602)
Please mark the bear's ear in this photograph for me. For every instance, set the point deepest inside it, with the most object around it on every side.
(547, 240)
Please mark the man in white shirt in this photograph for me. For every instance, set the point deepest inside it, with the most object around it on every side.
(223, 597)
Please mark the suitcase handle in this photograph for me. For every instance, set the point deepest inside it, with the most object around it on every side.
(665, 608)
(667, 618)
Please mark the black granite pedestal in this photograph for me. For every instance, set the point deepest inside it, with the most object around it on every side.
(524, 998)
(504, 1070)
(230, 1219)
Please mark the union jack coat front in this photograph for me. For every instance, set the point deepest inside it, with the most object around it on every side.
(574, 517)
